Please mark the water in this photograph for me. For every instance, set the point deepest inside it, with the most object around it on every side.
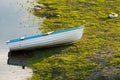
(15, 21)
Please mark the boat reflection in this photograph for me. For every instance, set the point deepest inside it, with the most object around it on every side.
(28, 57)
(19, 58)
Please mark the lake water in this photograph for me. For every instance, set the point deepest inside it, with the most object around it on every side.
(15, 21)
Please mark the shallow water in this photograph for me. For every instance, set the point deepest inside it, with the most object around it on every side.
(15, 21)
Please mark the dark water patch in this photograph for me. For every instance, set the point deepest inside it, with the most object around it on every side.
(26, 57)
(19, 58)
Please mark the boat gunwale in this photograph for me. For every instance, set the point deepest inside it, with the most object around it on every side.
(41, 35)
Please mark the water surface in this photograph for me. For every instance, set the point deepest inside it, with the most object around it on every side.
(15, 21)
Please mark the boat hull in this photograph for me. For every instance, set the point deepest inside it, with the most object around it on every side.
(49, 40)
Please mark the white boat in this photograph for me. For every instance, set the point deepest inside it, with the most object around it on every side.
(70, 35)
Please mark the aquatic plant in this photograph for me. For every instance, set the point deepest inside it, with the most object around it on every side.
(95, 56)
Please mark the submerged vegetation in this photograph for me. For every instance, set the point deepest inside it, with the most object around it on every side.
(95, 57)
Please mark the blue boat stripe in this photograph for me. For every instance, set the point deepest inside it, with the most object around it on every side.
(40, 35)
